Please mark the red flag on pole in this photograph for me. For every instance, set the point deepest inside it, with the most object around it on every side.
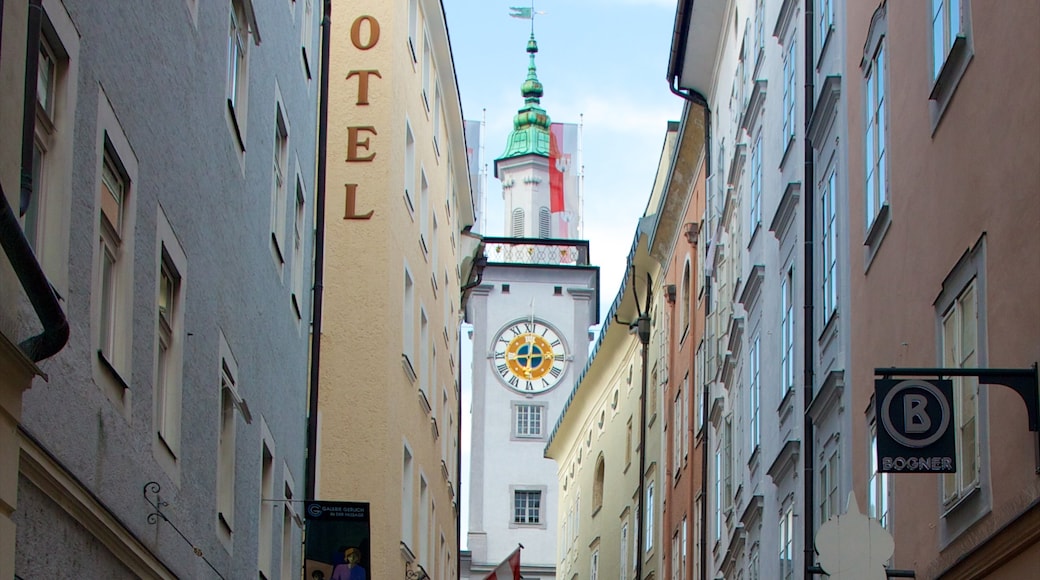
(509, 569)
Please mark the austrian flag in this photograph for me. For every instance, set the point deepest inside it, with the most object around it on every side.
(509, 569)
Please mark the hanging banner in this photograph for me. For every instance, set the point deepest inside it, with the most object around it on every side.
(563, 179)
(338, 541)
(472, 131)
(915, 427)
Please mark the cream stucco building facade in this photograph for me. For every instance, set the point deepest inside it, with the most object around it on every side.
(399, 199)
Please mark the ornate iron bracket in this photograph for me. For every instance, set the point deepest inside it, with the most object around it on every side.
(153, 488)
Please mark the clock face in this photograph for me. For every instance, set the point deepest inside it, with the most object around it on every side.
(530, 357)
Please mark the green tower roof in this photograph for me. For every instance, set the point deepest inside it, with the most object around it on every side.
(530, 135)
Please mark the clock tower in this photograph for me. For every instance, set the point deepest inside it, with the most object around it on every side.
(531, 313)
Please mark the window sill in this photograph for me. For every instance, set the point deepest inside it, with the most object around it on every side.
(876, 234)
(963, 500)
(945, 84)
(787, 151)
(112, 371)
(234, 124)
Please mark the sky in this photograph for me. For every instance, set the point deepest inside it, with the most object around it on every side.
(601, 62)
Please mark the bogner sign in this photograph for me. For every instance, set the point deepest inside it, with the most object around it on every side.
(915, 432)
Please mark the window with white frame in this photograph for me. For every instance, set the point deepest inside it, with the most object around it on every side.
(949, 25)
(413, 28)
(676, 427)
(828, 484)
(427, 66)
(265, 532)
(527, 506)
(786, 553)
(683, 549)
(753, 562)
(529, 420)
(594, 566)
(407, 499)
(409, 167)
(727, 464)
(437, 118)
(829, 246)
(790, 97)
(718, 494)
(684, 304)
(876, 189)
(787, 333)
(230, 402)
(408, 317)
(651, 508)
(424, 354)
(241, 25)
(755, 393)
(279, 184)
(299, 227)
(624, 550)
(423, 553)
(699, 387)
(877, 483)
(685, 431)
(424, 211)
(960, 346)
(756, 182)
(169, 304)
(307, 37)
(825, 19)
(289, 540)
(675, 555)
(115, 261)
(760, 30)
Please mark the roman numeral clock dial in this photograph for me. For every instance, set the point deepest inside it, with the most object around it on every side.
(529, 357)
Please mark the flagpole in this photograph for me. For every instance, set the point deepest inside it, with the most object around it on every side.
(581, 176)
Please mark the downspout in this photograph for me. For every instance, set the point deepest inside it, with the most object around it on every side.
(808, 222)
(30, 274)
(698, 99)
(319, 256)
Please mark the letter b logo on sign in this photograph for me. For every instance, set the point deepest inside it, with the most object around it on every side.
(914, 425)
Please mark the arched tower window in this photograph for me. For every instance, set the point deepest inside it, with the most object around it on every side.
(597, 486)
(518, 223)
(684, 316)
(544, 223)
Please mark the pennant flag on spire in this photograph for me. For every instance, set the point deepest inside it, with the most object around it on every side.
(509, 569)
(524, 12)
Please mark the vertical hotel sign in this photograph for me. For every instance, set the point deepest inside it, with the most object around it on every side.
(364, 36)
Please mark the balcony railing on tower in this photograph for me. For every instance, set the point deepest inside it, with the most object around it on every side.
(546, 252)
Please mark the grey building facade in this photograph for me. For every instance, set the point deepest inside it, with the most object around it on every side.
(171, 209)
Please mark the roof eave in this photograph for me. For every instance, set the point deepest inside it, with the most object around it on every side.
(696, 37)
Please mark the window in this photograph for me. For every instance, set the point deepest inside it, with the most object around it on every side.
(427, 65)
(829, 249)
(952, 49)
(828, 490)
(518, 223)
(528, 420)
(424, 211)
(755, 393)
(760, 31)
(407, 491)
(699, 387)
(424, 523)
(230, 401)
(787, 333)
(753, 563)
(265, 532)
(288, 521)
(597, 485)
(718, 494)
(169, 304)
(877, 484)
(684, 550)
(409, 167)
(756, 183)
(876, 191)
(727, 465)
(299, 227)
(685, 431)
(825, 14)
(113, 195)
(241, 24)
(527, 507)
(408, 317)
(676, 427)
(790, 95)
(675, 555)
(413, 27)
(424, 355)
(684, 314)
(307, 37)
(650, 509)
(948, 26)
(279, 185)
(437, 118)
(960, 344)
(624, 551)
(787, 543)
(628, 444)
(594, 566)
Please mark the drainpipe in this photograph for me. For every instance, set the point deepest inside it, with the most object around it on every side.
(808, 338)
(698, 99)
(30, 274)
(319, 255)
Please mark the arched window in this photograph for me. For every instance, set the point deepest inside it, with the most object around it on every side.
(518, 223)
(544, 223)
(597, 486)
(684, 316)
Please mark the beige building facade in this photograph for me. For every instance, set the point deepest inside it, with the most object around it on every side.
(399, 198)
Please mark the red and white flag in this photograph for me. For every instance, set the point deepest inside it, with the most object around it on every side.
(563, 179)
(509, 569)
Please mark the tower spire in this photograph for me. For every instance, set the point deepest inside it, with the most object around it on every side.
(530, 135)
